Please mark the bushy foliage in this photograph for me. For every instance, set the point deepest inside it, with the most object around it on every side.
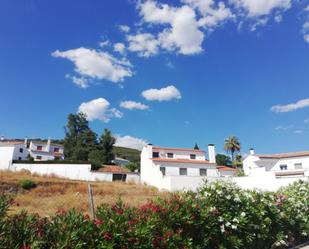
(219, 215)
(27, 184)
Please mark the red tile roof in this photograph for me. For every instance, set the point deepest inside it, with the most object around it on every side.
(168, 160)
(284, 155)
(225, 168)
(113, 169)
(177, 149)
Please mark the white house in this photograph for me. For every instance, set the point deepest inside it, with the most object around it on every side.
(293, 164)
(43, 151)
(175, 168)
(11, 150)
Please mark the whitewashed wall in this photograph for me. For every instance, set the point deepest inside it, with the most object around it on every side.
(71, 171)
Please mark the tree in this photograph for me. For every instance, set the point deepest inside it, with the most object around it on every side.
(132, 166)
(232, 145)
(107, 142)
(223, 160)
(196, 147)
(238, 161)
(79, 138)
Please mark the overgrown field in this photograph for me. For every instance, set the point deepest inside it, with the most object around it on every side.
(219, 215)
(51, 194)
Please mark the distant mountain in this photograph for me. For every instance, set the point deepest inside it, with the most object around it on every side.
(127, 153)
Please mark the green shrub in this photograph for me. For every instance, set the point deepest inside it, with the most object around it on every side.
(220, 215)
(27, 184)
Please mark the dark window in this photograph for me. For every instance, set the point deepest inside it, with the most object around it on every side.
(162, 169)
(38, 157)
(39, 147)
(298, 165)
(283, 167)
(183, 171)
(119, 177)
(170, 155)
(21, 150)
(203, 172)
(56, 150)
(192, 156)
(155, 154)
(19, 158)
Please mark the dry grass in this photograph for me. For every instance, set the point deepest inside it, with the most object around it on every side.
(52, 194)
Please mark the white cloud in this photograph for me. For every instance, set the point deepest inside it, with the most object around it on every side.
(283, 127)
(182, 33)
(212, 14)
(133, 105)
(256, 8)
(130, 142)
(278, 18)
(305, 31)
(120, 48)
(97, 64)
(98, 109)
(163, 94)
(145, 44)
(79, 81)
(103, 44)
(306, 121)
(124, 28)
(291, 107)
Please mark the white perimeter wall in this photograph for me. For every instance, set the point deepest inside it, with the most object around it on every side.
(70, 171)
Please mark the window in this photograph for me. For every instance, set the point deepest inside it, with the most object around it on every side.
(38, 157)
(203, 172)
(283, 167)
(19, 158)
(155, 154)
(170, 155)
(183, 171)
(162, 169)
(21, 150)
(39, 147)
(56, 150)
(298, 165)
(192, 156)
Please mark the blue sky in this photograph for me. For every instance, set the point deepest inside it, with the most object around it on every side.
(167, 72)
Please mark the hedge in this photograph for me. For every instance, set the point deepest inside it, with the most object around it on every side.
(220, 215)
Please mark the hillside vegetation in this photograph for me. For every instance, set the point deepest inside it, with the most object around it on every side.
(127, 153)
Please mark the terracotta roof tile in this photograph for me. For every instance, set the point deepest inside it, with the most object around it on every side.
(113, 169)
(284, 155)
(225, 168)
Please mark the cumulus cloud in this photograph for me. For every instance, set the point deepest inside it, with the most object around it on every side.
(124, 28)
(99, 109)
(97, 64)
(305, 31)
(79, 81)
(256, 8)
(182, 33)
(130, 142)
(120, 48)
(291, 107)
(129, 104)
(163, 94)
(145, 44)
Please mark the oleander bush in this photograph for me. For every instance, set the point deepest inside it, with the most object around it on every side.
(219, 215)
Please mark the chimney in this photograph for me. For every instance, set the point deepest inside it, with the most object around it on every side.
(48, 145)
(251, 151)
(2, 138)
(211, 153)
(26, 142)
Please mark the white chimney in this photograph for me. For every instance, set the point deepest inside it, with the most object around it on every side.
(212, 153)
(48, 145)
(26, 142)
(251, 151)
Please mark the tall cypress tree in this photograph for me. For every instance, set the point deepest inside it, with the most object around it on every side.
(107, 142)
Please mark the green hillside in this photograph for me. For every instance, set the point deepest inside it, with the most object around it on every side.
(129, 154)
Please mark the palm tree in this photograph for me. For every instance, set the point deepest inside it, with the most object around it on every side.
(232, 145)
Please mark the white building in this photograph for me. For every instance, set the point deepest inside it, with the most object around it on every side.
(41, 151)
(294, 164)
(176, 169)
(12, 150)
